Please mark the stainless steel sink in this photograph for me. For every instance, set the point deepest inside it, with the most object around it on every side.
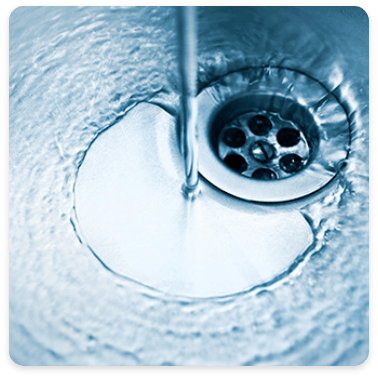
(255, 271)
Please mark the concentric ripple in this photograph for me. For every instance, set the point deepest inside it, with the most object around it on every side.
(74, 72)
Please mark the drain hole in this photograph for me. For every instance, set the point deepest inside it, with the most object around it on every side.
(260, 125)
(291, 163)
(262, 145)
(234, 137)
(288, 137)
(264, 174)
(236, 162)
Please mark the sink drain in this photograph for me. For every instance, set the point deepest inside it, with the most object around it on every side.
(270, 135)
(263, 146)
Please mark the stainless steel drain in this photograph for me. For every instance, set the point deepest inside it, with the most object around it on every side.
(263, 146)
(270, 135)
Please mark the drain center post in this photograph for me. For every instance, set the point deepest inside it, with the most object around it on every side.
(187, 54)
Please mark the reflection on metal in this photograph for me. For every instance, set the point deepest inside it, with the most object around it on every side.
(132, 215)
(270, 135)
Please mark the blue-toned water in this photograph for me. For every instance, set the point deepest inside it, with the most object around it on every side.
(187, 57)
(75, 71)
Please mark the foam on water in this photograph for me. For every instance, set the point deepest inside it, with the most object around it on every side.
(76, 71)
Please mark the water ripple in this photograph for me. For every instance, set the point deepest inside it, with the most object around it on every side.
(76, 71)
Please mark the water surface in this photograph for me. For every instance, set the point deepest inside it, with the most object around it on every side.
(75, 71)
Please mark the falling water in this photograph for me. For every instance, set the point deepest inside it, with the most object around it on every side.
(76, 71)
(186, 27)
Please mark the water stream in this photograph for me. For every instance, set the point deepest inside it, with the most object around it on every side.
(76, 71)
(187, 52)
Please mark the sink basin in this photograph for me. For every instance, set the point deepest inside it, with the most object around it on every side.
(83, 75)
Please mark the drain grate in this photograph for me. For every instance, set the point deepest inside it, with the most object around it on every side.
(263, 146)
(270, 135)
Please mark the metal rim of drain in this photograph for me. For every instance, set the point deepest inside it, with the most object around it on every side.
(270, 134)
